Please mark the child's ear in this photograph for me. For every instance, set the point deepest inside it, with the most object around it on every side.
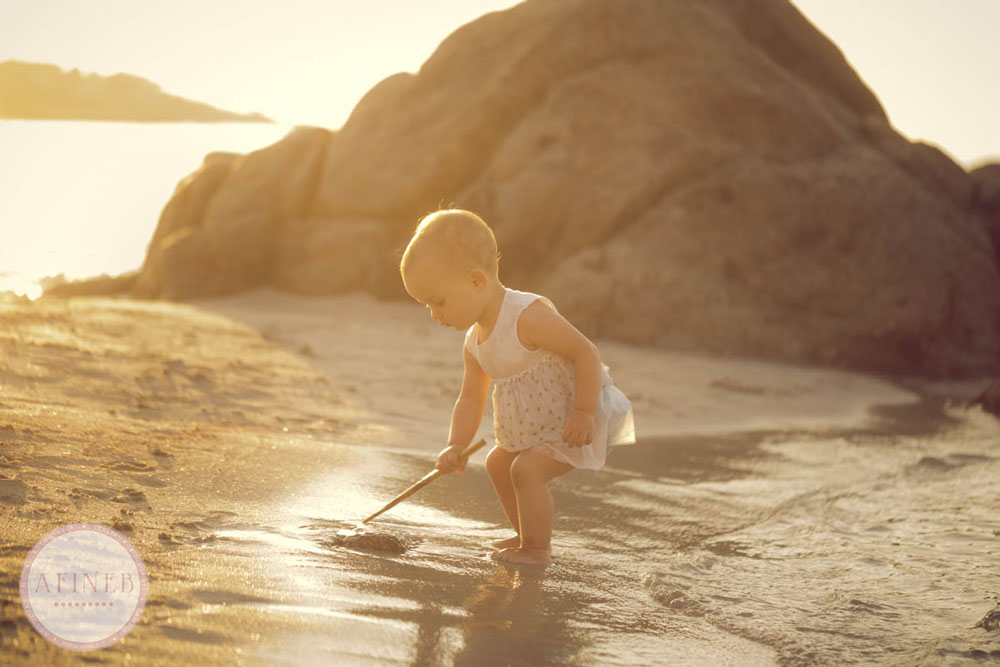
(478, 278)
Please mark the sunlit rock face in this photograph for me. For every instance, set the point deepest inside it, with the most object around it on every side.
(704, 175)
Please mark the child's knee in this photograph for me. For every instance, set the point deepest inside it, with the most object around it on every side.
(523, 472)
(531, 467)
(498, 461)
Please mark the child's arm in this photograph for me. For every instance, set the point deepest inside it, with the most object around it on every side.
(467, 413)
(541, 326)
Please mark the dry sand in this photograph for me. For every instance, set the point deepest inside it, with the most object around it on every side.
(230, 438)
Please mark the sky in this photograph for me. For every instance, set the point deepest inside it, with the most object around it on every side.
(932, 63)
(297, 61)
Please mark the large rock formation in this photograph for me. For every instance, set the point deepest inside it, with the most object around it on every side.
(710, 175)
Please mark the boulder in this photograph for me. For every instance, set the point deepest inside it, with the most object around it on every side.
(218, 233)
(987, 201)
(102, 285)
(990, 399)
(711, 176)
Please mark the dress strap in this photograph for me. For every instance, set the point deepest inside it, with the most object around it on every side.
(470, 338)
(522, 300)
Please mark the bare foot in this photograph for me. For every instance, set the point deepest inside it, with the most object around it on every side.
(507, 542)
(523, 556)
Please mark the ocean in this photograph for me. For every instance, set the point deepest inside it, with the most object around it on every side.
(82, 198)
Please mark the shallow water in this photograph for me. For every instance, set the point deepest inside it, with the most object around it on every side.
(874, 546)
(864, 548)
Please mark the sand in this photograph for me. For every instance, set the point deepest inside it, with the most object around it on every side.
(230, 439)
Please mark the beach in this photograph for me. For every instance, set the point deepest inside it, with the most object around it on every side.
(785, 248)
(230, 439)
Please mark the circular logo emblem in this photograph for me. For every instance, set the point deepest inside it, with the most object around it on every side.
(83, 586)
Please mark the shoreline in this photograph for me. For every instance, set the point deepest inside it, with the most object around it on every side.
(232, 436)
(674, 393)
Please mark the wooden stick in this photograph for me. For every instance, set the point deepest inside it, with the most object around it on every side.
(426, 479)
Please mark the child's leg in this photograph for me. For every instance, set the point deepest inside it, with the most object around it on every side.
(530, 474)
(498, 463)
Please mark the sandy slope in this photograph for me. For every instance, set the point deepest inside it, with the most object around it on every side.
(159, 420)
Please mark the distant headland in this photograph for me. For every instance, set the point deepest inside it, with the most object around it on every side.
(43, 91)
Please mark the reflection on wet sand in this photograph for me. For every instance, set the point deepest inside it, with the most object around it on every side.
(465, 609)
(443, 601)
(503, 611)
(518, 615)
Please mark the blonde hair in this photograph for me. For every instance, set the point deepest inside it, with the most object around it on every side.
(465, 238)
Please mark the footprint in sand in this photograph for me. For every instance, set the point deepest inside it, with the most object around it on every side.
(135, 498)
(197, 531)
(123, 523)
(81, 494)
(123, 527)
(140, 467)
(129, 465)
(197, 375)
(168, 540)
(13, 491)
(179, 539)
(8, 629)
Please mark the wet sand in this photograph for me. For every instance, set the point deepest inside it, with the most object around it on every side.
(231, 439)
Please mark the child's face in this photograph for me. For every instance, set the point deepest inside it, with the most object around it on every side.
(454, 301)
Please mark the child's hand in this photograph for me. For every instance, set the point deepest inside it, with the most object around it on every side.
(579, 428)
(449, 460)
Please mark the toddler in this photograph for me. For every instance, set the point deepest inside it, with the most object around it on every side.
(554, 405)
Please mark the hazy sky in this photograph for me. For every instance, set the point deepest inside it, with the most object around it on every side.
(934, 64)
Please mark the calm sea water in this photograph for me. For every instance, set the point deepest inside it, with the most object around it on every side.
(82, 198)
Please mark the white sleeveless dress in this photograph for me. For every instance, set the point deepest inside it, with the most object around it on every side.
(533, 393)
